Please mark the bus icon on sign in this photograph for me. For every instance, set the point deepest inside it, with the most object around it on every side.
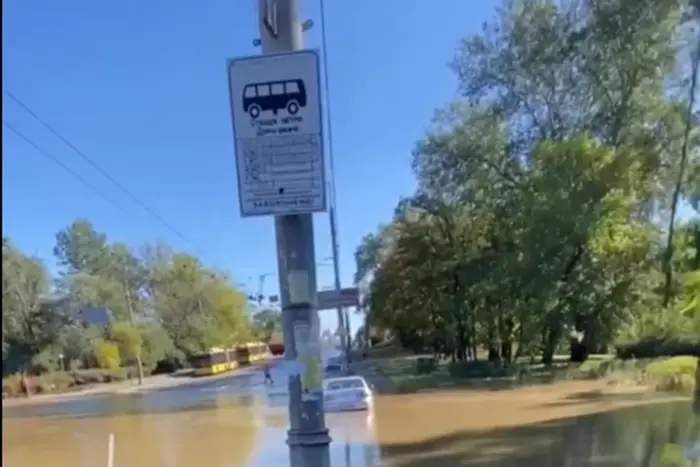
(274, 96)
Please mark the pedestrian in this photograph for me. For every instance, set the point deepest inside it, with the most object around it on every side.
(268, 376)
(25, 384)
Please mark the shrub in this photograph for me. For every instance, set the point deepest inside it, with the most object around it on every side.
(479, 369)
(654, 347)
(97, 376)
(52, 382)
(61, 381)
(107, 354)
(128, 339)
(672, 456)
(426, 365)
(672, 374)
(11, 386)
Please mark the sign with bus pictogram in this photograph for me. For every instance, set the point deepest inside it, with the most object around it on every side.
(277, 124)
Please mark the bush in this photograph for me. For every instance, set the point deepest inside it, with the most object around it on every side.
(11, 386)
(479, 369)
(672, 374)
(672, 456)
(426, 365)
(107, 354)
(61, 381)
(98, 376)
(128, 340)
(654, 347)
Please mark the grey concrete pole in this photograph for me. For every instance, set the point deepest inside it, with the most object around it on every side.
(308, 439)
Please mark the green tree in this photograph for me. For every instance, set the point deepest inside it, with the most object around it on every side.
(31, 320)
(267, 322)
(536, 219)
(198, 308)
(80, 248)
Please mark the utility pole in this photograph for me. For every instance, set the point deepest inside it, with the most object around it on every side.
(130, 311)
(308, 439)
(342, 330)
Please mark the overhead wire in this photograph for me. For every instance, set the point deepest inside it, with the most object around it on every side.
(94, 165)
(61, 164)
(65, 167)
(114, 261)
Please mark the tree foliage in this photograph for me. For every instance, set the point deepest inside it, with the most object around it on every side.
(267, 323)
(164, 305)
(548, 193)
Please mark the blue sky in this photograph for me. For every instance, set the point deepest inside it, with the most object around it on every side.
(140, 87)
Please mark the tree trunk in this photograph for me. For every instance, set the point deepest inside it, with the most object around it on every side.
(578, 351)
(675, 198)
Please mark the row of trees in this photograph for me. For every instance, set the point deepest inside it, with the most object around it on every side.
(548, 199)
(165, 305)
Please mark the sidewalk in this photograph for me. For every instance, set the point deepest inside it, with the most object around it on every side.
(150, 383)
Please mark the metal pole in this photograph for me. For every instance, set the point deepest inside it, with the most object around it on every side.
(348, 334)
(130, 311)
(342, 331)
(308, 439)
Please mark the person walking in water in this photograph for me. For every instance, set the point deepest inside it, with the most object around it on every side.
(25, 384)
(268, 376)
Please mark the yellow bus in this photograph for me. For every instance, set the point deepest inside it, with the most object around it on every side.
(252, 352)
(219, 360)
(216, 360)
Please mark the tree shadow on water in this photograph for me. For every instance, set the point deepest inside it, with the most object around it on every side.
(586, 397)
(626, 437)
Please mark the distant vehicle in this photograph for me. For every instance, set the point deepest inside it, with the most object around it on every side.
(334, 364)
(347, 393)
(218, 360)
(274, 96)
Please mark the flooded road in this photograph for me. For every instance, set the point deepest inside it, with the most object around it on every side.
(239, 422)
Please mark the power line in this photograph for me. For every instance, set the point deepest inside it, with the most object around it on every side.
(48, 155)
(94, 165)
(63, 166)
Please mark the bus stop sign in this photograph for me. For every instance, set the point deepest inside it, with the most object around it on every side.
(277, 126)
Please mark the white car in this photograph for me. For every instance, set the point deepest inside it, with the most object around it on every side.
(334, 364)
(347, 393)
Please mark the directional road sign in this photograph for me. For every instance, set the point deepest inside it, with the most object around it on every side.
(337, 298)
(277, 126)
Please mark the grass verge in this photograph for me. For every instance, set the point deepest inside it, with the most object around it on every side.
(408, 374)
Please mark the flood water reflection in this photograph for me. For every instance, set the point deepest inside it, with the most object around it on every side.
(558, 425)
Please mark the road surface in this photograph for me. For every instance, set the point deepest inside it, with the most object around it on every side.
(237, 421)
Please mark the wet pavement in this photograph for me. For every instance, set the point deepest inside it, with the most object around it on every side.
(232, 421)
(237, 421)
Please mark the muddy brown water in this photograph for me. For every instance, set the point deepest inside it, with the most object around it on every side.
(556, 425)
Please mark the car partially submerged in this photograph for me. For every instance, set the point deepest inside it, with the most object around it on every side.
(347, 393)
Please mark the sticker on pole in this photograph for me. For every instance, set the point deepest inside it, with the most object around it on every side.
(276, 110)
(309, 359)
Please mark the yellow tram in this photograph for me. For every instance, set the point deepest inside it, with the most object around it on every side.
(218, 360)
